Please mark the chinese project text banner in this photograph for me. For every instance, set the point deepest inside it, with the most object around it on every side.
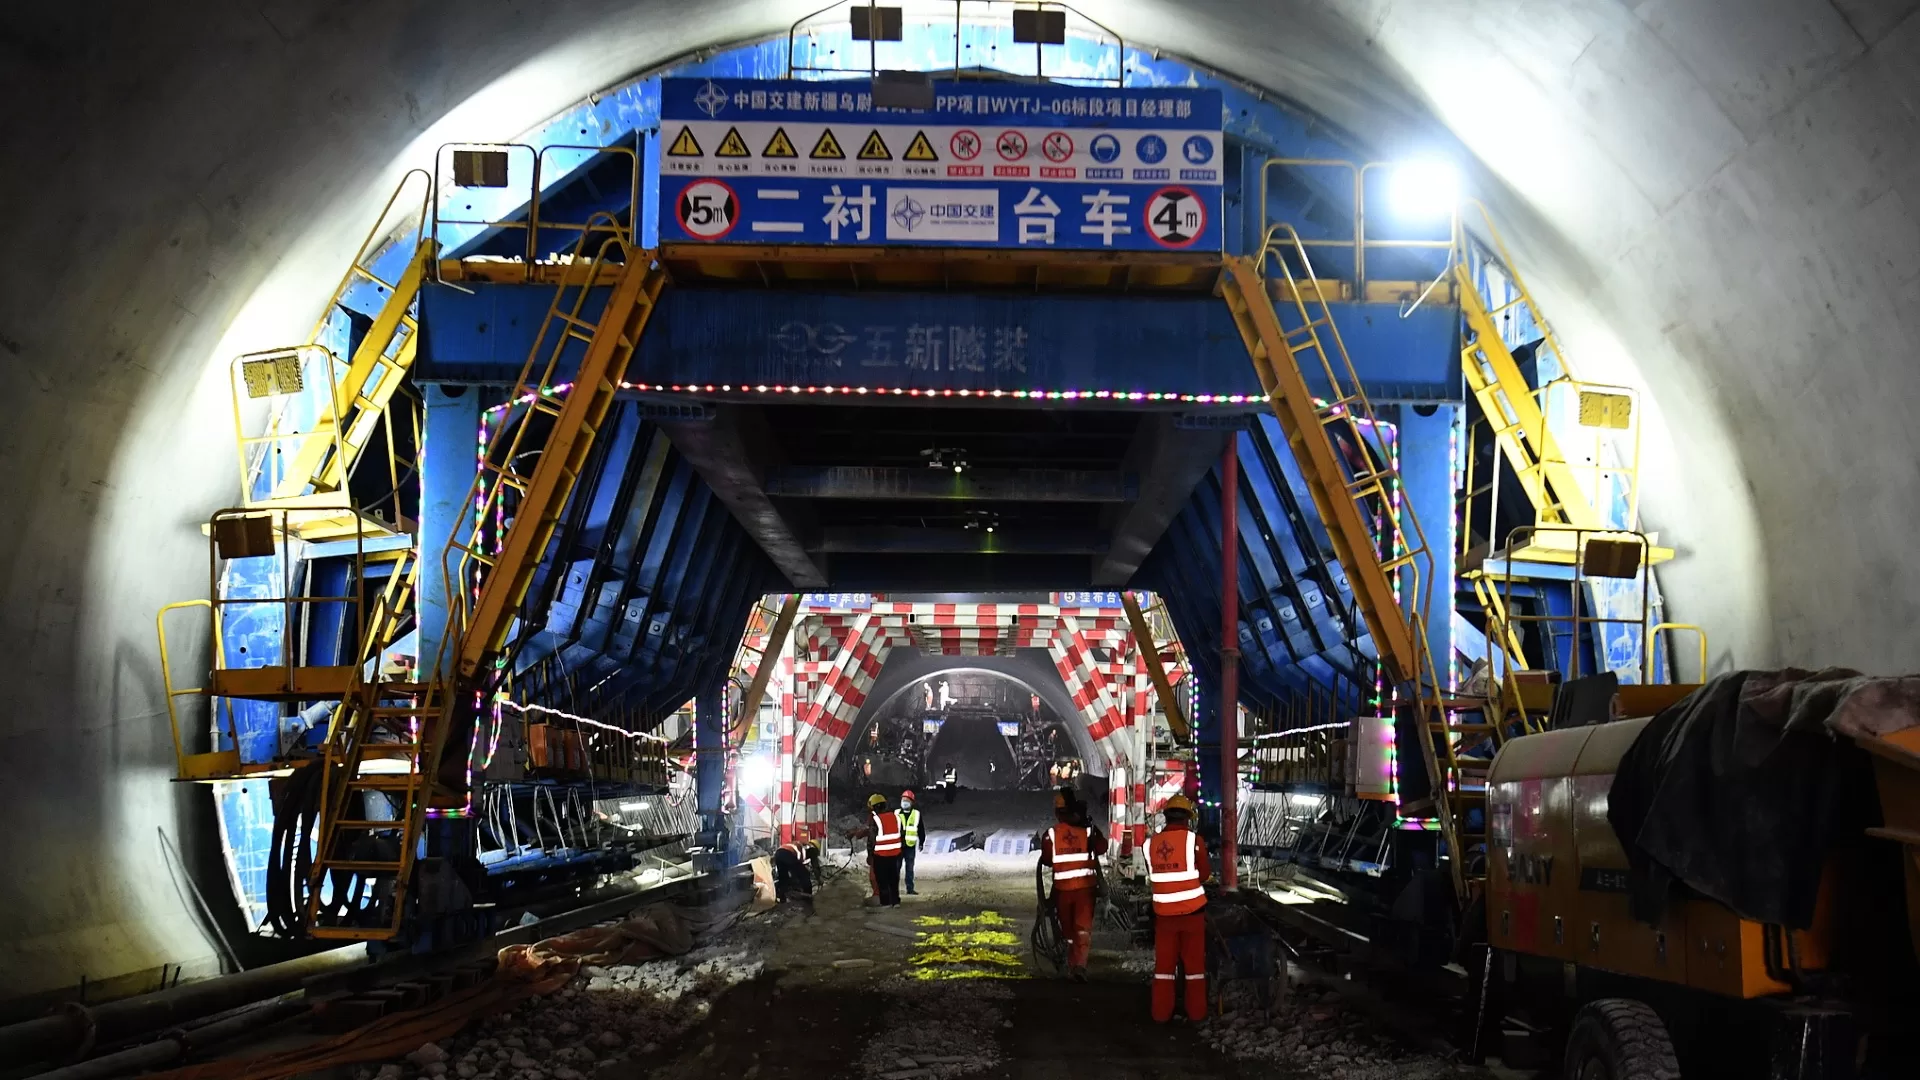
(745, 161)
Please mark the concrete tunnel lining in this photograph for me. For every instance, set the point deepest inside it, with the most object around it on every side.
(1684, 220)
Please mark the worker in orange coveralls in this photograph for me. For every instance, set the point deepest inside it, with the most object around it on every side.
(1177, 866)
(1073, 848)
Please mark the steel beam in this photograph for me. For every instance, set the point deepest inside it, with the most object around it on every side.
(975, 485)
(1015, 541)
(1169, 459)
(719, 451)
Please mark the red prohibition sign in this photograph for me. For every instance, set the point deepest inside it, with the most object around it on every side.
(965, 144)
(1058, 146)
(1011, 145)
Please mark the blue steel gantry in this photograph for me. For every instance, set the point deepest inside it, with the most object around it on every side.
(607, 439)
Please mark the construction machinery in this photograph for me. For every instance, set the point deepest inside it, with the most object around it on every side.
(1570, 978)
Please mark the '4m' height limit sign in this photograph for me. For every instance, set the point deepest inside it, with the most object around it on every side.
(746, 161)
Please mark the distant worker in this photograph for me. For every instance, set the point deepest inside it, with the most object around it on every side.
(1073, 848)
(794, 867)
(950, 780)
(885, 849)
(1177, 865)
(913, 832)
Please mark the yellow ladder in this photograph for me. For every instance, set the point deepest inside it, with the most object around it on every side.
(411, 723)
(358, 397)
(489, 585)
(1349, 495)
(768, 625)
(375, 753)
(1150, 627)
(1519, 425)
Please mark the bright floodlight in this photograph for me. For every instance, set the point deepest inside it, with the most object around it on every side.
(1423, 189)
(756, 774)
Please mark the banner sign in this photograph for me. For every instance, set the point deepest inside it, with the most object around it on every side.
(751, 161)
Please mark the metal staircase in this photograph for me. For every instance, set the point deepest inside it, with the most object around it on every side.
(301, 462)
(1377, 540)
(552, 428)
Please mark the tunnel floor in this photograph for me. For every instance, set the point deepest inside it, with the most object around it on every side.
(943, 986)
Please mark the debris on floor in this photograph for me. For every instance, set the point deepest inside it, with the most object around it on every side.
(1321, 1036)
(603, 1020)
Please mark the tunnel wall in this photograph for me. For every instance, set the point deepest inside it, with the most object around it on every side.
(1715, 196)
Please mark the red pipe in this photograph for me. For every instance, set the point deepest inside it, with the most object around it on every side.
(1230, 663)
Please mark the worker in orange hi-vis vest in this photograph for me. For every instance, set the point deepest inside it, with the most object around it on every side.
(1177, 867)
(1073, 848)
(886, 845)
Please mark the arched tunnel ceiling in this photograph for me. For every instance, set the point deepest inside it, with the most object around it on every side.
(1716, 194)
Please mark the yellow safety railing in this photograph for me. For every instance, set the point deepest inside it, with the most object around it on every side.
(1653, 636)
(211, 765)
(307, 460)
(1597, 554)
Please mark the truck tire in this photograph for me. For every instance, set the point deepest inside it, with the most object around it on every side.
(1619, 1039)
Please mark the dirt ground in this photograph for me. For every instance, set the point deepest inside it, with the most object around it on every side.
(944, 986)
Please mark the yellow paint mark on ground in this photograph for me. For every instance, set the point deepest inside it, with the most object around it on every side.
(985, 918)
(929, 974)
(965, 956)
(948, 938)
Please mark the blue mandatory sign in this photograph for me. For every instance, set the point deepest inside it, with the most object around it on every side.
(1151, 148)
(1104, 148)
(1199, 150)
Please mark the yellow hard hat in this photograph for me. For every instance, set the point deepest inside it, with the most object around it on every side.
(1180, 803)
(876, 799)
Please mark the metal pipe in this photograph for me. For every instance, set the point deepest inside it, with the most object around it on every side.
(1229, 661)
(177, 1044)
(76, 1028)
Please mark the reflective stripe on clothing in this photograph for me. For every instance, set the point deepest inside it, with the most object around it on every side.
(1174, 870)
(1074, 865)
(886, 834)
(910, 827)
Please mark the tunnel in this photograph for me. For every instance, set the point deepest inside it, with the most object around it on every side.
(1711, 199)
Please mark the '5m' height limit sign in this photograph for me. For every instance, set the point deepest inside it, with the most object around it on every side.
(746, 161)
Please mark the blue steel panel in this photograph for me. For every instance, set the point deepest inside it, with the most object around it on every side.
(982, 342)
(991, 165)
(447, 467)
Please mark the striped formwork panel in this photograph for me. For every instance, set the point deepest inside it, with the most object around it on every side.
(1010, 842)
(947, 841)
(828, 718)
(1088, 686)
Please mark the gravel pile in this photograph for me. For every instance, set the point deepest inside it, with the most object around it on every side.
(1320, 1036)
(605, 1016)
(939, 1030)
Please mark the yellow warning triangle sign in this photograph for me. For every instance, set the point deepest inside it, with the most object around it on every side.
(828, 147)
(779, 146)
(920, 149)
(685, 145)
(875, 148)
(733, 145)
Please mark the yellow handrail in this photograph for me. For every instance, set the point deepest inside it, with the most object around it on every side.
(1653, 636)
(194, 766)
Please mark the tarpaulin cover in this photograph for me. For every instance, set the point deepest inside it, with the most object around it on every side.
(1742, 789)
